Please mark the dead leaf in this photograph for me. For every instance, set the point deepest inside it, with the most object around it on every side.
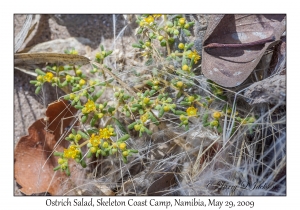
(58, 58)
(33, 150)
(234, 44)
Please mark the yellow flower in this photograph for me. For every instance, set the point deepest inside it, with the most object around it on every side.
(48, 77)
(106, 133)
(72, 152)
(149, 19)
(156, 15)
(194, 55)
(144, 118)
(89, 106)
(95, 140)
(191, 111)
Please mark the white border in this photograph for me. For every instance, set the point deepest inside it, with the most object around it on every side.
(8, 201)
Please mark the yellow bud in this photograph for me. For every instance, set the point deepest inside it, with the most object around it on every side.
(191, 98)
(155, 82)
(137, 127)
(100, 115)
(182, 117)
(182, 21)
(92, 82)
(60, 161)
(122, 146)
(105, 144)
(125, 153)
(81, 82)
(77, 137)
(181, 46)
(166, 108)
(148, 44)
(185, 67)
(251, 120)
(39, 78)
(214, 123)
(146, 100)
(98, 55)
(216, 115)
(93, 149)
(78, 72)
(72, 96)
(179, 84)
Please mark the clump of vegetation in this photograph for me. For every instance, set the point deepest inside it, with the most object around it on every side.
(176, 92)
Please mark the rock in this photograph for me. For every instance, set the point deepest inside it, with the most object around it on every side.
(60, 45)
(271, 90)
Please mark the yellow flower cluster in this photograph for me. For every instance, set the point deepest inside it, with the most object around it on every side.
(95, 140)
(72, 152)
(149, 19)
(194, 55)
(89, 107)
(47, 77)
(106, 133)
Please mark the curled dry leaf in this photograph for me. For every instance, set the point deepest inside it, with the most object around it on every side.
(33, 169)
(234, 44)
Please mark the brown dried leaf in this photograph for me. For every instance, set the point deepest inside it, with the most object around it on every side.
(33, 150)
(234, 44)
(58, 58)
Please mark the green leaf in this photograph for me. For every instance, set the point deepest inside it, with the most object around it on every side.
(131, 125)
(56, 168)
(84, 118)
(124, 138)
(83, 135)
(92, 130)
(37, 90)
(78, 107)
(161, 112)
(60, 154)
(187, 32)
(137, 45)
(119, 124)
(98, 94)
(40, 72)
(111, 109)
